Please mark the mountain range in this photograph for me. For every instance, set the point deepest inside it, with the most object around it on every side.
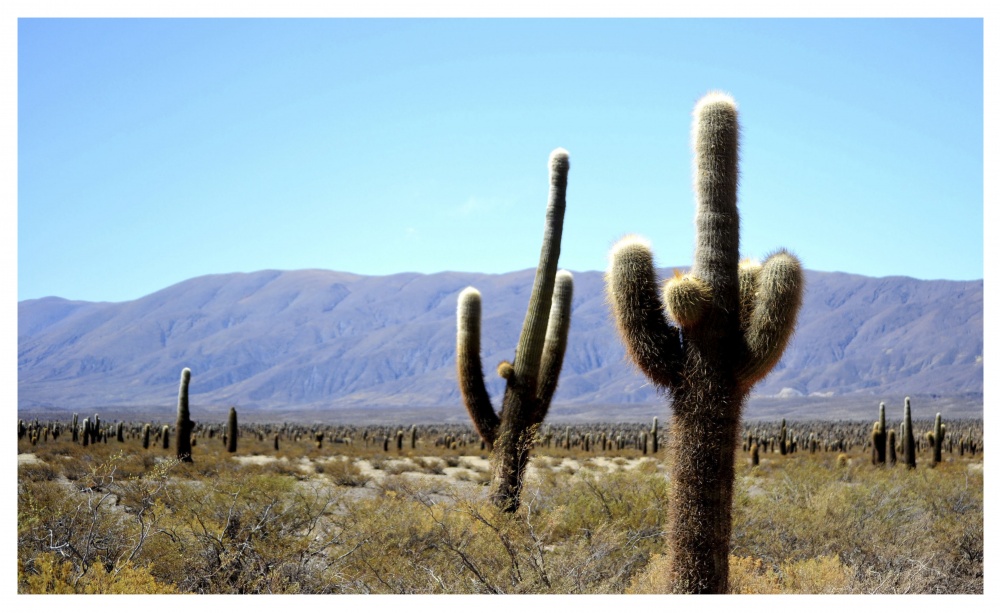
(319, 339)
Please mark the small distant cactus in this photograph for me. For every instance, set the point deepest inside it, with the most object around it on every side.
(654, 435)
(878, 443)
(165, 438)
(232, 428)
(754, 454)
(184, 424)
(937, 439)
(534, 374)
(891, 447)
(76, 434)
(86, 432)
(909, 445)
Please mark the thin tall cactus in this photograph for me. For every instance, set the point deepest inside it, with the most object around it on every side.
(231, 430)
(937, 440)
(534, 374)
(731, 323)
(880, 443)
(909, 445)
(184, 424)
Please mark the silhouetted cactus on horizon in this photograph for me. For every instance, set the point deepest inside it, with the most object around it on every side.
(731, 323)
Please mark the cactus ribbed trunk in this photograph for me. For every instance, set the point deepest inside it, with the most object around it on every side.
(184, 424)
(534, 373)
(729, 324)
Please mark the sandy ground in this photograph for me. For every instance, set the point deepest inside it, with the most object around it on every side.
(27, 458)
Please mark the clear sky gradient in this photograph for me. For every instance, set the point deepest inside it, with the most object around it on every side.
(153, 151)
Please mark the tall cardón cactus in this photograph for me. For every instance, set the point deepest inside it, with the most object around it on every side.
(728, 324)
(184, 424)
(534, 374)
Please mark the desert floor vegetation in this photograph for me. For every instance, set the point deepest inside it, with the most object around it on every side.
(350, 517)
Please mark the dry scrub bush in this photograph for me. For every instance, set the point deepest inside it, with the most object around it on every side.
(801, 525)
(342, 471)
(898, 531)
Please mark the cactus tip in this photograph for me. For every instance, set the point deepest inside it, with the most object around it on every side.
(559, 158)
(713, 98)
(629, 242)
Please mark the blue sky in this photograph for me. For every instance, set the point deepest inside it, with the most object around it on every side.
(153, 151)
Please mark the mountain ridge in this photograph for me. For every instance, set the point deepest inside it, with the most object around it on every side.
(317, 338)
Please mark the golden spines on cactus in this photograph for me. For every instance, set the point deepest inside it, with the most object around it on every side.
(631, 285)
(686, 298)
(777, 299)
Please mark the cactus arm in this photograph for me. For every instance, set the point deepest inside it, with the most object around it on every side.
(528, 355)
(777, 299)
(652, 343)
(470, 368)
(686, 299)
(749, 273)
(556, 336)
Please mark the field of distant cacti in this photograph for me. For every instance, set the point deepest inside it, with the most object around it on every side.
(360, 514)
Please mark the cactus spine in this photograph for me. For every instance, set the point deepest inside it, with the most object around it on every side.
(534, 374)
(184, 423)
(712, 354)
(231, 429)
(909, 446)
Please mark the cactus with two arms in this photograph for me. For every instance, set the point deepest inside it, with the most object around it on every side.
(534, 373)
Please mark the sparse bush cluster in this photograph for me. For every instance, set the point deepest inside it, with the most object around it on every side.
(123, 518)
